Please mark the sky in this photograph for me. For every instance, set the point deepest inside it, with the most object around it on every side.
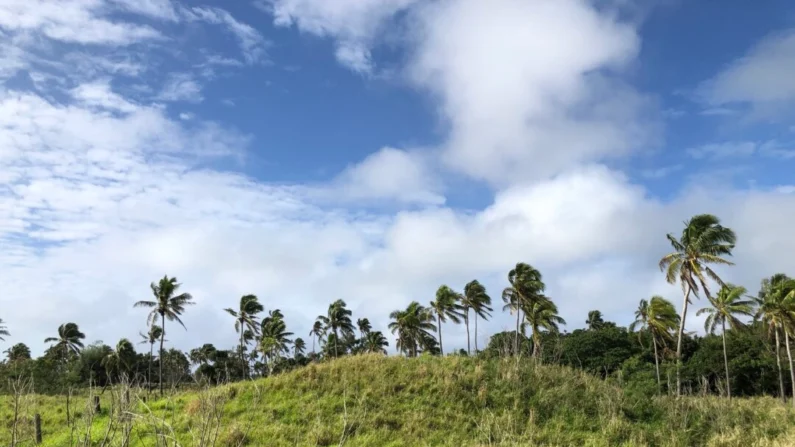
(373, 150)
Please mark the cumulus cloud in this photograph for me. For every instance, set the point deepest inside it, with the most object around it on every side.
(251, 41)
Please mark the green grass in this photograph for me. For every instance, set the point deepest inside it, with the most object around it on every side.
(453, 401)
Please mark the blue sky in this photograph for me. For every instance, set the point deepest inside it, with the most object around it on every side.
(372, 150)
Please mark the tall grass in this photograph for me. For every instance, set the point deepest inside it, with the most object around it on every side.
(452, 401)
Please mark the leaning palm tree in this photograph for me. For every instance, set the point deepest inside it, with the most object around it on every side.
(375, 343)
(3, 330)
(337, 320)
(364, 326)
(445, 307)
(413, 327)
(246, 319)
(526, 288)
(704, 241)
(299, 347)
(595, 320)
(317, 332)
(726, 305)
(776, 309)
(541, 316)
(275, 339)
(657, 316)
(480, 302)
(120, 360)
(69, 339)
(151, 337)
(168, 305)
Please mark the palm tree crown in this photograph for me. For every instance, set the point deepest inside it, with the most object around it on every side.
(69, 339)
(479, 301)
(3, 330)
(445, 307)
(526, 287)
(246, 320)
(657, 317)
(726, 305)
(413, 327)
(337, 320)
(541, 316)
(375, 343)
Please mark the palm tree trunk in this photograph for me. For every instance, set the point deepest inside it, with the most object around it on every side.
(679, 342)
(439, 329)
(149, 374)
(243, 363)
(313, 345)
(160, 363)
(335, 342)
(516, 337)
(791, 372)
(466, 320)
(476, 333)
(726, 363)
(656, 363)
(780, 376)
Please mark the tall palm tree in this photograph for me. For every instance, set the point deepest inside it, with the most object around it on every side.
(445, 307)
(69, 339)
(317, 332)
(726, 305)
(299, 346)
(364, 326)
(595, 320)
(246, 320)
(121, 359)
(151, 337)
(375, 343)
(337, 319)
(3, 330)
(526, 287)
(168, 305)
(480, 302)
(703, 242)
(413, 327)
(275, 338)
(776, 309)
(541, 316)
(657, 316)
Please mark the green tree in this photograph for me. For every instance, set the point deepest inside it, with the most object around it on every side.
(203, 355)
(18, 353)
(337, 320)
(69, 340)
(375, 343)
(595, 320)
(776, 309)
(445, 307)
(541, 316)
(657, 317)
(151, 337)
(299, 347)
(317, 332)
(168, 305)
(703, 242)
(3, 330)
(480, 302)
(246, 319)
(275, 338)
(413, 327)
(121, 360)
(726, 305)
(526, 287)
(364, 326)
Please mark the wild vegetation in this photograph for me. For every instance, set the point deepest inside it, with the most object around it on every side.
(603, 385)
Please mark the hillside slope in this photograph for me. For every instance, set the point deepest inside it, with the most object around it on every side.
(453, 401)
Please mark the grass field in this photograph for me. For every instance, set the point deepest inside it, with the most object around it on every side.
(380, 401)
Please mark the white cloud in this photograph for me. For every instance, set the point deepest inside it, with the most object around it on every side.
(390, 174)
(251, 41)
(158, 9)
(355, 24)
(729, 149)
(79, 21)
(531, 92)
(761, 77)
(99, 94)
(181, 87)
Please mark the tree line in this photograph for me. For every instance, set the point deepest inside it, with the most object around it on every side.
(753, 332)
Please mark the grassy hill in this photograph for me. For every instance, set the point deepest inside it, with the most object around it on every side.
(379, 401)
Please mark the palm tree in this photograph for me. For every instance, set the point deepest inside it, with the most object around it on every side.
(375, 342)
(364, 326)
(703, 242)
(659, 318)
(725, 305)
(317, 332)
(17, 353)
(337, 319)
(121, 359)
(776, 309)
(595, 320)
(299, 346)
(446, 306)
(413, 328)
(3, 330)
(151, 337)
(246, 319)
(526, 287)
(480, 302)
(69, 339)
(203, 355)
(275, 339)
(168, 305)
(541, 316)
